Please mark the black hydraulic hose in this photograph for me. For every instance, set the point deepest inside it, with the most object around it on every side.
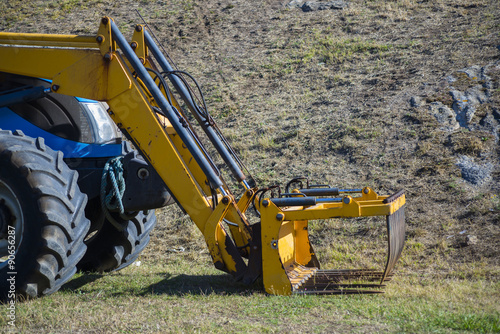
(162, 83)
(320, 192)
(208, 119)
(294, 201)
(259, 193)
(166, 108)
(183, 91)
(177, 73)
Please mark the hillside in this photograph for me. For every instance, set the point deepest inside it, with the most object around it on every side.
(388, 94)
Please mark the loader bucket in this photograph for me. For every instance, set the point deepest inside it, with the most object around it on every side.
(289, 263)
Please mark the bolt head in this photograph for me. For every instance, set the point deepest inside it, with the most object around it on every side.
(55, 88)
(225, 200)
(265, 203)
(347, 200)
(280, 216)
(143, 173)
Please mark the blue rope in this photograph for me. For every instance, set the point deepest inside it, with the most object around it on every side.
(112, 201)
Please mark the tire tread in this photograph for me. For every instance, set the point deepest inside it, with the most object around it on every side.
(61, 206)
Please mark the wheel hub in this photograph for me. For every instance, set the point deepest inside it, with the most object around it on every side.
(5, 219)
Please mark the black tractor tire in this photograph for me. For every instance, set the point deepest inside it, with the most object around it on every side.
(109, 249)
(40, 200)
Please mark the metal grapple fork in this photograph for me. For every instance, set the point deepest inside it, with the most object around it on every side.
(289, 262)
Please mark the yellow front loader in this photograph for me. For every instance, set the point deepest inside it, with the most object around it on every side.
(156, 108)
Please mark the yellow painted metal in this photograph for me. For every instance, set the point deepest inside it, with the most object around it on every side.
(106, 45)
(216, 238)
(85, 73)
(38, 62)
(186, 156)
(68, 67)
(286, 249)
(246, 200)
(273, 271)
(191, 163)
(357, 207)
(293, 244)
(240, 233)
(92, 74)
(294, 247)
(286, 243)
(210, 233)
(228, 261)
(304, 254)
(158, 149)
(138, 43)
(48, 40)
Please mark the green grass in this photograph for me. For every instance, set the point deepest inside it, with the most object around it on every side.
(183, 296)
(331, 49)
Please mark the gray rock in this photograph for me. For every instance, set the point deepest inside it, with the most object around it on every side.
(450, 79)
(416, 101)
(334, 5)
(491, 125)
(444, 115)
(465, 104)
(471, 240)
(476, 95)
(295, 4)
(462, 107)
(474, 72)
(473, 172)
(477, 91)
(310, 6)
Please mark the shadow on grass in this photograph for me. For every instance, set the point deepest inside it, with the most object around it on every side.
(173, 285)
(77, 283)
(177, 285)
